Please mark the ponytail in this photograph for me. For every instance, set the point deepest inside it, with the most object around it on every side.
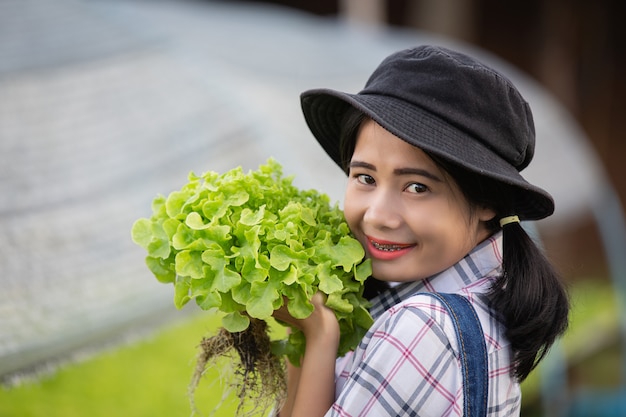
(531, 299)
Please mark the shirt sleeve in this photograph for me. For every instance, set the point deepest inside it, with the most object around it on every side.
(406, 365)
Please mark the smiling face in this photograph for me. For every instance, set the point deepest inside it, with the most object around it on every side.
(408, 214)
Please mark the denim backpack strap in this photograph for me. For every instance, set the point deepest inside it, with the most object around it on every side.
(472, 350)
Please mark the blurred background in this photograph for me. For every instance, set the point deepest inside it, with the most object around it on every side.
(106, 103)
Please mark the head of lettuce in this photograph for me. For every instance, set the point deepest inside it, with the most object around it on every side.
(243, 244)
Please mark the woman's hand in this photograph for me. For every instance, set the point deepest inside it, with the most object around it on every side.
(311, 388)
(321, 323)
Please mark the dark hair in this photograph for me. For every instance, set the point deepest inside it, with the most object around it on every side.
(529, 296)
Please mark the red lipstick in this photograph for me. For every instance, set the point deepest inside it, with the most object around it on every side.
(386, 250)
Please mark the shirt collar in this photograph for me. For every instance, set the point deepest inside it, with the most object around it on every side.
(473, 273)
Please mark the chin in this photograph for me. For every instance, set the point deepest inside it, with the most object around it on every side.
(387, 275)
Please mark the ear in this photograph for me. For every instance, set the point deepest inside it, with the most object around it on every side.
(485, 214)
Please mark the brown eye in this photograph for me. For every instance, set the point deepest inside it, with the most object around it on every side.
(416, 188)
(365, 179)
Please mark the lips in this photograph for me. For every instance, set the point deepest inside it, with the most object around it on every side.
(386, 250)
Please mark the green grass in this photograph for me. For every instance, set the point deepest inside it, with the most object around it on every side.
(146, 378)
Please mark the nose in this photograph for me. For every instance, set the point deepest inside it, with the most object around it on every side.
(383, 211)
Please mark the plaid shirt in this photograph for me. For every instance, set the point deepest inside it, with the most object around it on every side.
(407, 364)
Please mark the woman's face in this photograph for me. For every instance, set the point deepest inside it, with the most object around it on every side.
(410, 217)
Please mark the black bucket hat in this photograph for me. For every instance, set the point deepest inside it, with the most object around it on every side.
(448, 104)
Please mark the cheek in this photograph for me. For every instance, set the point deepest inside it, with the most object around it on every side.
(438, 222)
(352, 210)
(431, 218)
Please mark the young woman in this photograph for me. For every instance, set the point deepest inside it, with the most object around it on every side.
(432, 147)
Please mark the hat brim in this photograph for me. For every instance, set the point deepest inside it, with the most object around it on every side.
(324, 109)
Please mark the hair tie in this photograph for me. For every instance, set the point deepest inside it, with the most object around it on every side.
(510, 219)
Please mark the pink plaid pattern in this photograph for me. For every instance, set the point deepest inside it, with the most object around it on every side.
(407, 364)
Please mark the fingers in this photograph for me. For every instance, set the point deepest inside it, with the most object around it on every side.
(319, 299)
(282, 314)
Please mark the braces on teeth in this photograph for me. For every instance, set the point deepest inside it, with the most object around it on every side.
(386, 248)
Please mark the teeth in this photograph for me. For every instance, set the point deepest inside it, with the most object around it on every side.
(387, 248)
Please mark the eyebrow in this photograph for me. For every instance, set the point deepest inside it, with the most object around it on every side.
(398, 171)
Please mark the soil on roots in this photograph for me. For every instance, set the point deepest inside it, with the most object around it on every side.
(257, 378)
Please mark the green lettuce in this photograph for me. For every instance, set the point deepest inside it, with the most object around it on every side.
(242, 242)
